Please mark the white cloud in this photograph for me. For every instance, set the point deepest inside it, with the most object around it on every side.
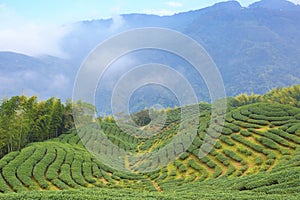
(118, 22)
(174, 4)
(161, 12)
(295, 1)
(33, 39)
(29, 38)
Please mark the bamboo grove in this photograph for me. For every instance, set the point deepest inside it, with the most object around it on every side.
(25, 119)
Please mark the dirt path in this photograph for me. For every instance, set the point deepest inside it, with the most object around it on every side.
(156, 186)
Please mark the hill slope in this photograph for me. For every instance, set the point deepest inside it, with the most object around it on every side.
(258, 153)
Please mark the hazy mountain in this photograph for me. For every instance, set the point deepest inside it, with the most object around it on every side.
(255, 48)
(44, 76)
(275, 4)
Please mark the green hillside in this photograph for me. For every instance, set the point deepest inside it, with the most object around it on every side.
(257, 156)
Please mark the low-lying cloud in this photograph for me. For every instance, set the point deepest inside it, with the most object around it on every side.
(174, 4)
(160, 12)
(34, 40)
(29, 38)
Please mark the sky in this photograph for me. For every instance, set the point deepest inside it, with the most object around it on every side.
(27, 26)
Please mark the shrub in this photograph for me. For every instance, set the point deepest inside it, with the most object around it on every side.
(245, 151)
(12, 166)
(255, 147)
(227, 140)
(245, 133)
(154, 176)
(76, 170)
(52, 172)
(173, 173)
(270, 161)
(270, 154)
(58, 183)
(163, 176)
(66, 177)
(180, 166)
(274, 137)
(247, 125)
(183, 156)
(197, 142)
(268, 143)
(218, 145)
(233, 127)
(3, 186)
(293, 128)
(258, 160)
(223, 159)
(258, 122)
(226, 131)
(193, 164)
(237, 116)
(285, 135)
(217, 172)
(211, 164)
(87, 172)
(232, 155)
(231, 170)
(245, 111)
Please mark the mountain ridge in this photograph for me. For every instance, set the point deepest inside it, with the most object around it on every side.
(276, 5)
(254, 47)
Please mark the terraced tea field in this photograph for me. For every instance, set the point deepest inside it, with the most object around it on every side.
(258, 151)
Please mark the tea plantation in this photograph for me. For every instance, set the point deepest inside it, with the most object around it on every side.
(257, 156)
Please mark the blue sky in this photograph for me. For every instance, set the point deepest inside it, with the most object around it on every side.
(35, 26)
(66, 11)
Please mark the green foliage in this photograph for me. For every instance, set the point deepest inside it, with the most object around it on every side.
(226, 131)
(245, 133)
(231, 170)
(54, 167)
(77, 167)
(193, 164)
(268, 154)
(24, 171)
(288, 95)
(66, 177)
(245, 151)
(223, 159)
(227, 140)
(9, 171)
(233, 127)
(24, 120)
(247, 143)
(232, 155)
(258, 160)
(141, 118)
(285, 135)
(268, 143)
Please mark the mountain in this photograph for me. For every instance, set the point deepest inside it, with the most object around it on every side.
(255, 48)
(43, 76)
(282, 5)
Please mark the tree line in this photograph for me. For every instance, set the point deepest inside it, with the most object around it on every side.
(287, 95)
(25, 119)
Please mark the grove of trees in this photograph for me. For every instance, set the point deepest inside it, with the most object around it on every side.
(25, 119)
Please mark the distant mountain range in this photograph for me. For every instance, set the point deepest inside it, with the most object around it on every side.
(255, 48)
